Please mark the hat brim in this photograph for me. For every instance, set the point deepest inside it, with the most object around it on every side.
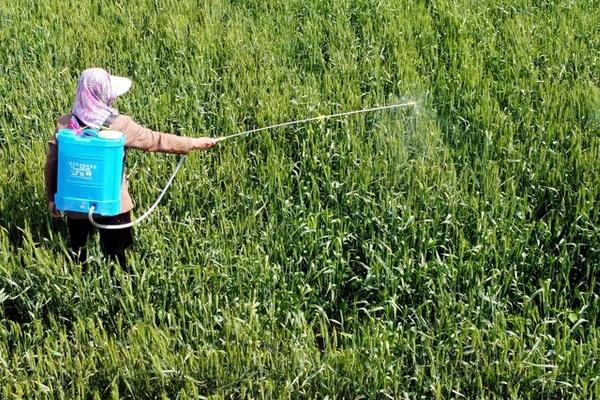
(119, 85)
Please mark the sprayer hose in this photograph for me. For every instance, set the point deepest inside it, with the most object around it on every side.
(222, 138)
(319, 118)
(147, 213)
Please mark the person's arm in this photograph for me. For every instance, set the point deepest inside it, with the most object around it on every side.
(50, 173)
(139, 137)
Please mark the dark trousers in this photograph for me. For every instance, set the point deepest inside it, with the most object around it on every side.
(114, 242)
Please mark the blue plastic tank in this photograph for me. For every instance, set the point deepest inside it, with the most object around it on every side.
(90, 171)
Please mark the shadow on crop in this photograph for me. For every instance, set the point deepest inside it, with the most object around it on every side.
(24, 213)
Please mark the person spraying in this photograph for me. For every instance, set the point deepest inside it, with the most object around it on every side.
(93, 110)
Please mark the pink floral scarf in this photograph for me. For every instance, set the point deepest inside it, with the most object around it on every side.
(96, 90)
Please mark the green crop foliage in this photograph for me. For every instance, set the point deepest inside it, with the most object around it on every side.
(449, 250)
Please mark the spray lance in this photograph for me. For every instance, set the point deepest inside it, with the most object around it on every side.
(92, 206)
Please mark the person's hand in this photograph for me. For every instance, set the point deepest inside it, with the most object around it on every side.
(52, 210)
(203, 143)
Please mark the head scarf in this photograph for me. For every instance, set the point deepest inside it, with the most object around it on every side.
(96, 90)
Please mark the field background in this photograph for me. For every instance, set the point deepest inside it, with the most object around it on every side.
(446, 251)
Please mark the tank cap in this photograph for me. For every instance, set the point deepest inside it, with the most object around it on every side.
(110, 135)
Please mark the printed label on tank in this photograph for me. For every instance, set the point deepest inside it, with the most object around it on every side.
(82, 170)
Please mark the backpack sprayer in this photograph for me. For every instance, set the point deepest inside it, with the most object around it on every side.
(90, 168)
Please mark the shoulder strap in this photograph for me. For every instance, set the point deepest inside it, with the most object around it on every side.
(76, 124)
(108, 121)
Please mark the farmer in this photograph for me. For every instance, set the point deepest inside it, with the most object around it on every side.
(96, 91)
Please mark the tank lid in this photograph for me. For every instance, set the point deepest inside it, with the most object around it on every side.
(110, 135)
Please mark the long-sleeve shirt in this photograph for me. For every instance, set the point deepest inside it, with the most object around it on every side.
(136, 137)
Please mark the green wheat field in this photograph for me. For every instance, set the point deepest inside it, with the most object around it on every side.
(449, 250)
